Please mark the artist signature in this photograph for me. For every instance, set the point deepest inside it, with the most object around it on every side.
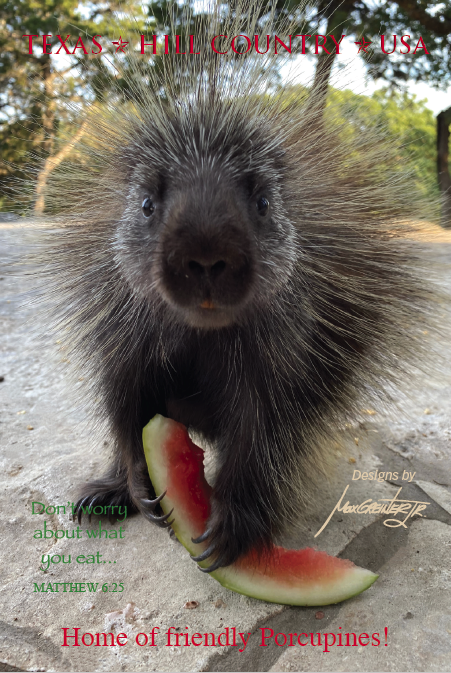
(392, 506)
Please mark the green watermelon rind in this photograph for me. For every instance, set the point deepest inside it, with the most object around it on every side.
(351, 581)
(328, 599)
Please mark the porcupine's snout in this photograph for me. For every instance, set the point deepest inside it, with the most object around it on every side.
(207, 261)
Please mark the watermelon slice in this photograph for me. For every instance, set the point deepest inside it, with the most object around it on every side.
(303, 577)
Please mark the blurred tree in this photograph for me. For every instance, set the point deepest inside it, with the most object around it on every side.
(415, 18)
(40, 91)
(432, 21)
(410, 19)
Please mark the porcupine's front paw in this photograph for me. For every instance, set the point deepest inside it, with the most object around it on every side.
(116, 490)
(108, 493)
(229, 534)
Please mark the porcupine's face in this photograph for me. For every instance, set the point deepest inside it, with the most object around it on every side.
(210, 235)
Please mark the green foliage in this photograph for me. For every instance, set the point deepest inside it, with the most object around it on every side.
(404, 120)
(400, 119)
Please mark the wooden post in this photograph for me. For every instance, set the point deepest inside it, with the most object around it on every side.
(443, 175)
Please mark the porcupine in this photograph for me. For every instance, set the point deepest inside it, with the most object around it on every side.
(226, 260)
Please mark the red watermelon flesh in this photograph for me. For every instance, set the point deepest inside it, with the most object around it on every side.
(292, 577)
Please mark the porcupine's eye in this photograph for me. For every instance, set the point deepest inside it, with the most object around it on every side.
(262, 206)
(148, 207)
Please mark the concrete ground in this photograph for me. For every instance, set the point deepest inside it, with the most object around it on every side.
(48, 447)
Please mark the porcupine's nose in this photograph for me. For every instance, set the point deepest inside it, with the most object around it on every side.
(206, 273)
(213, 281)
(199, 269)
(222, 277)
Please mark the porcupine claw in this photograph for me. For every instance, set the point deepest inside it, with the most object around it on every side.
(208, 552)
(151, 504)
(217, 564)
(161, 521)
(204, 554)
(202, 557)
(148, 507)
(78, 511)
(202, 537)
(91, 507)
